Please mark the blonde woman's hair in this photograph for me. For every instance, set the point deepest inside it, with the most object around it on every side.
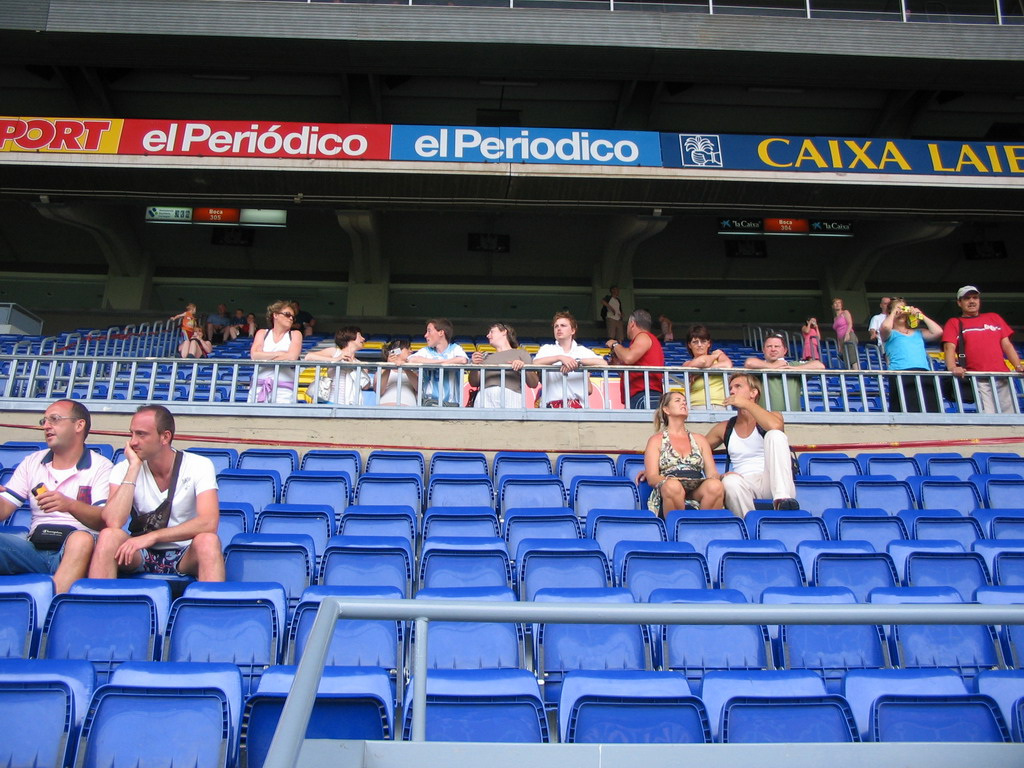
(660, 422)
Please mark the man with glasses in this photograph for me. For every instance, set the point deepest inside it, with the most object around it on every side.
(66, 487)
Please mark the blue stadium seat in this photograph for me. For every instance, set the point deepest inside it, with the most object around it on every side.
(698, 527)
(462, 561)
(829, 466)
(790, 529)
(697, 649)
(1006, 688)
(964, 571)
(314, 487)
(313, 520)
(235, 517)
(718, 547)
(119, 728)
(942, 524)
(889, 494)
(816, 495)
(610, 526)
(483, 705)
(458, 463)
(471, 644)
(900, 467)
(250, 486)
(235, 623)
(24, 602)
(830, 650)
(879, 530)
(861, 572)
(630, 707)
(288, 559)
(963, 718)
(460, 491)
(333, 460)
(789, 719)
(11, 453)
(378, 520)
(1011, 636)
(644, 566)
(520, 463)
(539, 523)
(1004, 464)
(284, 461)
(900, 550)
(719, 686)
(460, 521)
(936, 493)
(753, 572)
(862, 687)
(1004, 492)
(588, 493)
(1001, 523)
(406, 490)
(808, 551)
(570, 466)
(561, 648)
(158, 591)
(963, 647)
(368, 561)
(922, 459)
(162, 674)
(222, 458)
(960, 467)
(1004, 559)
(529, 491)
(629, 465)
(395, 463)
(351, 703)
(543, 563)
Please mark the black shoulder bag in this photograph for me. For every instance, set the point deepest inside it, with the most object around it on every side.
(145, 522)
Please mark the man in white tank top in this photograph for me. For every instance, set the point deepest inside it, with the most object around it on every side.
(759, 454)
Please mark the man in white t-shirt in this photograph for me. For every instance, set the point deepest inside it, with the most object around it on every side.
(187, 543)
(875, 325)
(760, 463)
(568, 385)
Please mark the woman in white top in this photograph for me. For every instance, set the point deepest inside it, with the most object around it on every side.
(398, 385)
(502, 391)
(278, 343)
(345, 382)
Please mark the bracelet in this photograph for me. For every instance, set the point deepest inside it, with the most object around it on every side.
(127, 482)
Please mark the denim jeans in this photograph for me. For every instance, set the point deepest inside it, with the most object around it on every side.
(17, 555)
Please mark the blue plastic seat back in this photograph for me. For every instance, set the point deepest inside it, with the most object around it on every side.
(613, 528)
(791, 531)
(459, 561)
(570, 466)
(471, 644)
(104, 629)
(922, 459)
(313, 487)
(629, 465)
(119, 728)
(313, 520)
(460, 491)
(589, 493)
(252, 486)
(284, 461)
(458, 463)
(1006, 687)
(237, 517)
(1005, 493)
(529, 491)
(899, 551)
(960, 495)
(222, 458)
(966, 530)
(967, 717)
(831, 467)
(39, 723)
(696, 649)
(288, 559)
(1004, 465)
(818, 495)
(482, 705)
(12, 453)
(861, 572)
(630, 707)
(753, 572)
(833, 650)
(682, 525)
(527, 523)
(395, 463)
(24, 602)
(328, 460)
(960, 467)
(964, 571)
(406, 490)
(891, 495)
(544, 563)
(642, 567)
(861, 687)
(520, 463)
(355, 642)
(460, 521)
(900, 467)
(351, 703)
(789, 719)
(368, 561)
(378, 520)
(719, 686)
(808, 552)
(878, 531)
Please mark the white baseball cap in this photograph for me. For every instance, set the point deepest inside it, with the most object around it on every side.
(965, 290)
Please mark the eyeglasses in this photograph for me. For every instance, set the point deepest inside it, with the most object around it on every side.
(289, 315)
(52, 420)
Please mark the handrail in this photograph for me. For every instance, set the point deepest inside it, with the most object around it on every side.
(291, 728)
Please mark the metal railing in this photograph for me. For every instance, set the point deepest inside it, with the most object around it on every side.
(881, 396)
(291, 729)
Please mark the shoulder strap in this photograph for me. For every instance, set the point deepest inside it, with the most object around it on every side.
(178, 456)
(730, 425)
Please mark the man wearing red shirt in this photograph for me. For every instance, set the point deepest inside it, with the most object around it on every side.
(644, 349)
(986, 342)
